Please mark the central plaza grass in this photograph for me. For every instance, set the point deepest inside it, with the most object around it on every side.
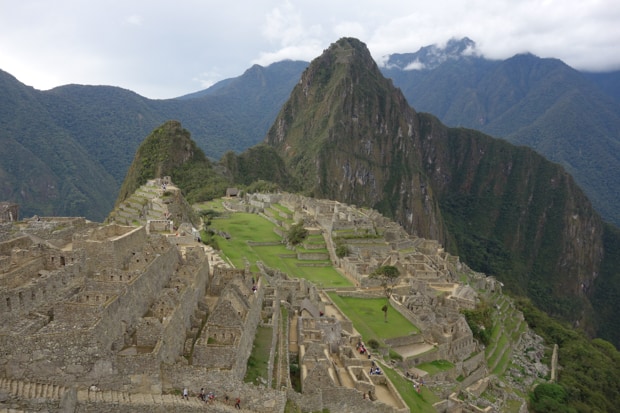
(243, 227)
(368, 319)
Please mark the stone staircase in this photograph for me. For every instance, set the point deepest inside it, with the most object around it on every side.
(107, 400)
(31, 390)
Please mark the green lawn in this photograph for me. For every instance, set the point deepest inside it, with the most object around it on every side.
(368, 320)
(417, 402)
(435, 366)
(244, 227)
(258, 362)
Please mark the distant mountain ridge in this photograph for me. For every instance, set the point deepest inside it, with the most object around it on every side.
(542, 103)
(430, 57)
(569, 117)
(88, 135)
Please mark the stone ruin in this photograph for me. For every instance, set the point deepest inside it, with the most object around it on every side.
(9, 212)
(94, 316)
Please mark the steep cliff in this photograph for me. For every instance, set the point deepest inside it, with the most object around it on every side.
(346, 133)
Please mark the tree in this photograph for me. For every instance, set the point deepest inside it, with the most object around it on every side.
(297, 233)
(388, 276)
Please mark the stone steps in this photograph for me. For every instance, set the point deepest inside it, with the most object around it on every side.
(32, 390)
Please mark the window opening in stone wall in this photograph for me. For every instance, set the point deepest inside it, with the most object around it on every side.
(62, 261)
(21, 298)
(8, 303)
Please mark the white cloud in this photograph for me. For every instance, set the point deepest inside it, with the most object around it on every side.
(155, 47)
(415, 65)
(134, 20)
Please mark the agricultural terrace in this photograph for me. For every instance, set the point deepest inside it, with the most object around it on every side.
(243, 230)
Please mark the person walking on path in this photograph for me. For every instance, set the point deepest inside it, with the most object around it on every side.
(238, 403)
(185, 394)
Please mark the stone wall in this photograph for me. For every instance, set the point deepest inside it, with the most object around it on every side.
(254, 398)
(19, 242)
(48, 286)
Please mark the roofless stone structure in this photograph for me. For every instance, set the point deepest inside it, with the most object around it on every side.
(120, 317)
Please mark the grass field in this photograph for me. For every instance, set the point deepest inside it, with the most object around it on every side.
(435, 366)
(417, 402)
(258, 362)
(368, 320)
(244, 227)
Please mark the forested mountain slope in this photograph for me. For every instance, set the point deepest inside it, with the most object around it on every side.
(347, 134)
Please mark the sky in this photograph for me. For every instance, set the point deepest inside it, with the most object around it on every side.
(163, 49)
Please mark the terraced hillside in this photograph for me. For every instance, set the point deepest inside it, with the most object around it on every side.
(496, 376)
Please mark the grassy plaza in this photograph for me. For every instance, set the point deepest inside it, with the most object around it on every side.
(368, 319)
(245, 229)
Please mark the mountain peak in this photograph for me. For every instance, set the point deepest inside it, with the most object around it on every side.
(429, 57)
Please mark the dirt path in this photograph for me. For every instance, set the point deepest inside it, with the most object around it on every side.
(413, 349)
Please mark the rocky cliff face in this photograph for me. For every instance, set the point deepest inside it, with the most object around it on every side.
(347, 134)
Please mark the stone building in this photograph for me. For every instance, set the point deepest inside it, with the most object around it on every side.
(9, 212)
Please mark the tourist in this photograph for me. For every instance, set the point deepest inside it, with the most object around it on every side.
(186, 394)
(201, 395)
(238, 403)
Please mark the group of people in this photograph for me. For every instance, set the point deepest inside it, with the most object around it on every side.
(210, 397)
(207, 397)
(375, 370)
(417, 381)
(362, 348)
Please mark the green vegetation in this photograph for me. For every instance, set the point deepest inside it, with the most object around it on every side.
(388, 275)
(480, 322)
(550, 397)
(421, 402)
(258, 361)
(169, 151)
(296, 233)
(365, 314)
(436, 366)
(590, 370)
(245, 230)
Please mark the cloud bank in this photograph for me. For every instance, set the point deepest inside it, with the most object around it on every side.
(165, 49)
